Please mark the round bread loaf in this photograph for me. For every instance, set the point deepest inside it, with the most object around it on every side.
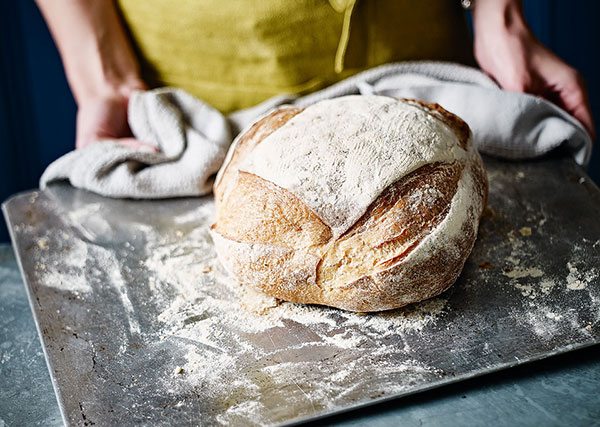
(364, 203)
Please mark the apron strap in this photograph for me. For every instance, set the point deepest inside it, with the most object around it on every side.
(346, 7)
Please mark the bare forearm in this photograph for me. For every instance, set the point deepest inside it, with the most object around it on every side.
(506, 13)
(493, 17)
(95, 51)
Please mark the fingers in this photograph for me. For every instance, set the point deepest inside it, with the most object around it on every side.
(573, 97)
(105, 119)
(583, 114)
(518, 80)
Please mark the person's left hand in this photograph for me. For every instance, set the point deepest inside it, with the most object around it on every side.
(519, 62)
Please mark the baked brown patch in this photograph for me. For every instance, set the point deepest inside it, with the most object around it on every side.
(248, 142)
(271, 214)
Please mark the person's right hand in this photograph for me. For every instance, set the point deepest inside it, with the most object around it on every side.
(100, 65)
(106, 118)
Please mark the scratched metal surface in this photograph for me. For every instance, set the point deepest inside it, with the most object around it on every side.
(118, 354)
(26, 395)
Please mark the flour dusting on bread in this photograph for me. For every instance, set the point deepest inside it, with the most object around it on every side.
(338, 155)
(365, 203)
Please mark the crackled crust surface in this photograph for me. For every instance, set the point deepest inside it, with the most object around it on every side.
(397, 253)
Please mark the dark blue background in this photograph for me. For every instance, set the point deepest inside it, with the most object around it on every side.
(37, 111)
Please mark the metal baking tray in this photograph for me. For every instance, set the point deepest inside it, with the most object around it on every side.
(141, 325)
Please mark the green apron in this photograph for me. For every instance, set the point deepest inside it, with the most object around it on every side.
(236, 53)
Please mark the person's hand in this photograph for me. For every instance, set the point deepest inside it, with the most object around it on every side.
(100, 65)
(99, 118)
(508, 52)
(105, 117)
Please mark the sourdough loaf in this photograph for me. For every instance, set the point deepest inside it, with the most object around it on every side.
(365, 203)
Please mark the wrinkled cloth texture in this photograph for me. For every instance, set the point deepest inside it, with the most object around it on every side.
(192, 138)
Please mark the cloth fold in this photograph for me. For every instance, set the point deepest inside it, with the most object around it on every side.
(192, 138)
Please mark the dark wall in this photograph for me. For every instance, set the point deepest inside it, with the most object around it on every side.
(37, 112)
(571, 29)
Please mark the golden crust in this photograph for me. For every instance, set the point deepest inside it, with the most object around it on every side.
(277, 271)
(392, 226)
(247, 142)
(269, 239)
(271, 215)
(458, 125)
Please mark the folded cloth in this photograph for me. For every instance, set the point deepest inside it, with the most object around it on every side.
(192, 138)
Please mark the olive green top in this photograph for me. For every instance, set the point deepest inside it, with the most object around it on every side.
(236, 53)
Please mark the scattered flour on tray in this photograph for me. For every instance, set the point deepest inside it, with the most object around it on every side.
(518, 272)
(72, 275)
(577, 280)
(532, 281)
(191, 269)
(319, 355)
(537, 286)
(245, 348)
(269, 345)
